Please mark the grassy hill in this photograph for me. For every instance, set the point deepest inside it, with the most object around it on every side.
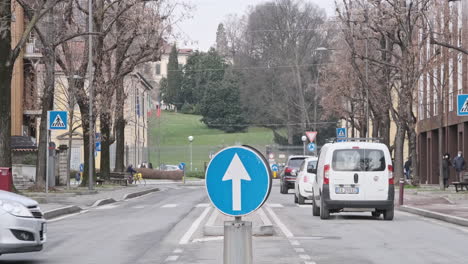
(173, 129)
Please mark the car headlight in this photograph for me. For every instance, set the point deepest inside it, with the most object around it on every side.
(15, 208)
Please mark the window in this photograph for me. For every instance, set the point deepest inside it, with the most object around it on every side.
(312, 165)
(158, 69)
(358, 160)
(295, 163)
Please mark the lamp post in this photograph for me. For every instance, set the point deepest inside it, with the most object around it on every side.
(316, 86)
(304, 139)
(190, 139)
(91, 94)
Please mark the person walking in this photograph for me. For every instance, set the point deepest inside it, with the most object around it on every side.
(407, 167)
(459, 164)
(446, 164)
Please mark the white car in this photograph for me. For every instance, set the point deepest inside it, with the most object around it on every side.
(22, 226)
(304, 180)
(354, 176)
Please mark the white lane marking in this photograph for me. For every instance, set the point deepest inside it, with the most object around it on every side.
(294, 242)
(303, 205)
(216, 238)
(304, 257)
(177, 251)
(171, 258)
(212, 218)
(185, 239)
(280, 224)
(169, 206)
(299, 250)
(107, 207)
(204, 205)
(138, 207)
(273, 205)
(66, 216)
(264, 217)
(309, 262)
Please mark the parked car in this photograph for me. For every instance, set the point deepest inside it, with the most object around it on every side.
(305, 178)
(169, 168)
(22, 226)
(286, 178)
(354, 176)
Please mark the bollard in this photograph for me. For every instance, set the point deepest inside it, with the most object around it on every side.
(402, 190)
(238, 242)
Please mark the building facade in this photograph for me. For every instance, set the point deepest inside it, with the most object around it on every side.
(439, 128)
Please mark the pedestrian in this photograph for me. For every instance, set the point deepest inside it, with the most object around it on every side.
(78, 178)
(459, 164)
(446, 164)
(407, 167)
(150, 165)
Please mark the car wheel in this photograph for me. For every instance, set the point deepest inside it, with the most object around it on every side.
(388, 214)
(295, 198)
(324, 212)
(283, 188)
(315, 208)
(300, 199)
(376, 213)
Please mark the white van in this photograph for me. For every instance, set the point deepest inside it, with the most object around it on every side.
(354, 176)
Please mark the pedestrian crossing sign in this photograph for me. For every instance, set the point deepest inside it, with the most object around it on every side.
(462, 105)
(57, 120)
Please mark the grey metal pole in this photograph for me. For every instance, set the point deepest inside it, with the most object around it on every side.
(303, 147)
(367, 88)
(238, 242)
(91, 95)
(191, 157)
(48, 160)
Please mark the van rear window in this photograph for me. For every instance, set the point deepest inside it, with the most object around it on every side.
(358, 160)
(295, 163)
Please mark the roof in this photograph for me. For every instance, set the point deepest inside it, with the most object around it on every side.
(23, 143)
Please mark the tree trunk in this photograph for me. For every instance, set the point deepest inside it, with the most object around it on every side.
(71, 94)
(105, 125)
(399, 148)
(385, 129)
(84, 104)
(120, 128)
(414, 157)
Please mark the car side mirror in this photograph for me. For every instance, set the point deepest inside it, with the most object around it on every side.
(314, 171)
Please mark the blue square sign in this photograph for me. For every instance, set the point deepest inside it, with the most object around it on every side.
(57, 120)
(462, 105)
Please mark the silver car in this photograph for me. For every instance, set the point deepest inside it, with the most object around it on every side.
(22, 226)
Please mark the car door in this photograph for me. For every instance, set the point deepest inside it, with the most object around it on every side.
(376, 175)
(300, 173)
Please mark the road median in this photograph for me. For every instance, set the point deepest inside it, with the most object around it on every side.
(435, 215)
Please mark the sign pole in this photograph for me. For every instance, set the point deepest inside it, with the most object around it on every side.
(238, 242)
(47, 163)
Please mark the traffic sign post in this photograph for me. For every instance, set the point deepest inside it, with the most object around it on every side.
(56, 120)
(311, 147)
(182, 168)
(238, 182)
(462, 105)
(341, 132)
(275, 169)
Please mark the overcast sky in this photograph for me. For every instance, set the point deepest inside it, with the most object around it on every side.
(200, 31)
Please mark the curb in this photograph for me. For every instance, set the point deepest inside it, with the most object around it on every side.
(137, 194)
(103, 202)
(430, 214)
(62, 211)
(192, 183)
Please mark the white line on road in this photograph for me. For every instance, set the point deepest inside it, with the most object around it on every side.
(294, 242)
(172, 258)
(309, 262)
(107, 206)
(299, 250)
(216, 238)
(177, 251)
(204, 205)
(138, 207)
(212, 218)
(274, 205)
(304, 257)
(185, 239)
(169, 206)
(303, 205)
(280, 224)
(264, 217)
(66, 216)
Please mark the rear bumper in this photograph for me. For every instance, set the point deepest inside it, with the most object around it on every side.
(340, 204)
(289, 181)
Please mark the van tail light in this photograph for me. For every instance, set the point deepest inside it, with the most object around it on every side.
(306, 179)
(390, 175)
(326, 174)
(287, 171)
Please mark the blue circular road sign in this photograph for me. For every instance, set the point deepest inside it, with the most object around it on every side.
(311, 147)
(274, 167)
(182, 166)
(238, 180)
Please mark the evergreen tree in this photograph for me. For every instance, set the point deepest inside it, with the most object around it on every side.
(174, 80)
(221, 41)
(221, 107)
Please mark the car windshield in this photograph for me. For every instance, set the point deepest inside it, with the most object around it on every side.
(312, 164)
(358, 160)
(295, 163)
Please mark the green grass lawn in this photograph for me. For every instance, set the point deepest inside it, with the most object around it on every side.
(174, 129)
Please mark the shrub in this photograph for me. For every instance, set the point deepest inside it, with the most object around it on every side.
(157, 174)
(195, 174)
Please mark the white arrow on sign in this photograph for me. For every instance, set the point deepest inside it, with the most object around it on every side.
(236, 172)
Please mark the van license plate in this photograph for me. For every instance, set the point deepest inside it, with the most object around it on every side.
(346, 190)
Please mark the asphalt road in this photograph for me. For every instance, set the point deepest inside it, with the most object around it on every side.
(166, 227)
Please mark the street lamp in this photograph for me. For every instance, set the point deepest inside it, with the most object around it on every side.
(91, 95)
(304, 139)
(190, 139)
(319, 49)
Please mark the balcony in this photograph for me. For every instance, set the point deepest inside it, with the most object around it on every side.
(31, 51)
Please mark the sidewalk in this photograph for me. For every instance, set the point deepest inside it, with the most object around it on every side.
(430, 201)
(64, 201)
